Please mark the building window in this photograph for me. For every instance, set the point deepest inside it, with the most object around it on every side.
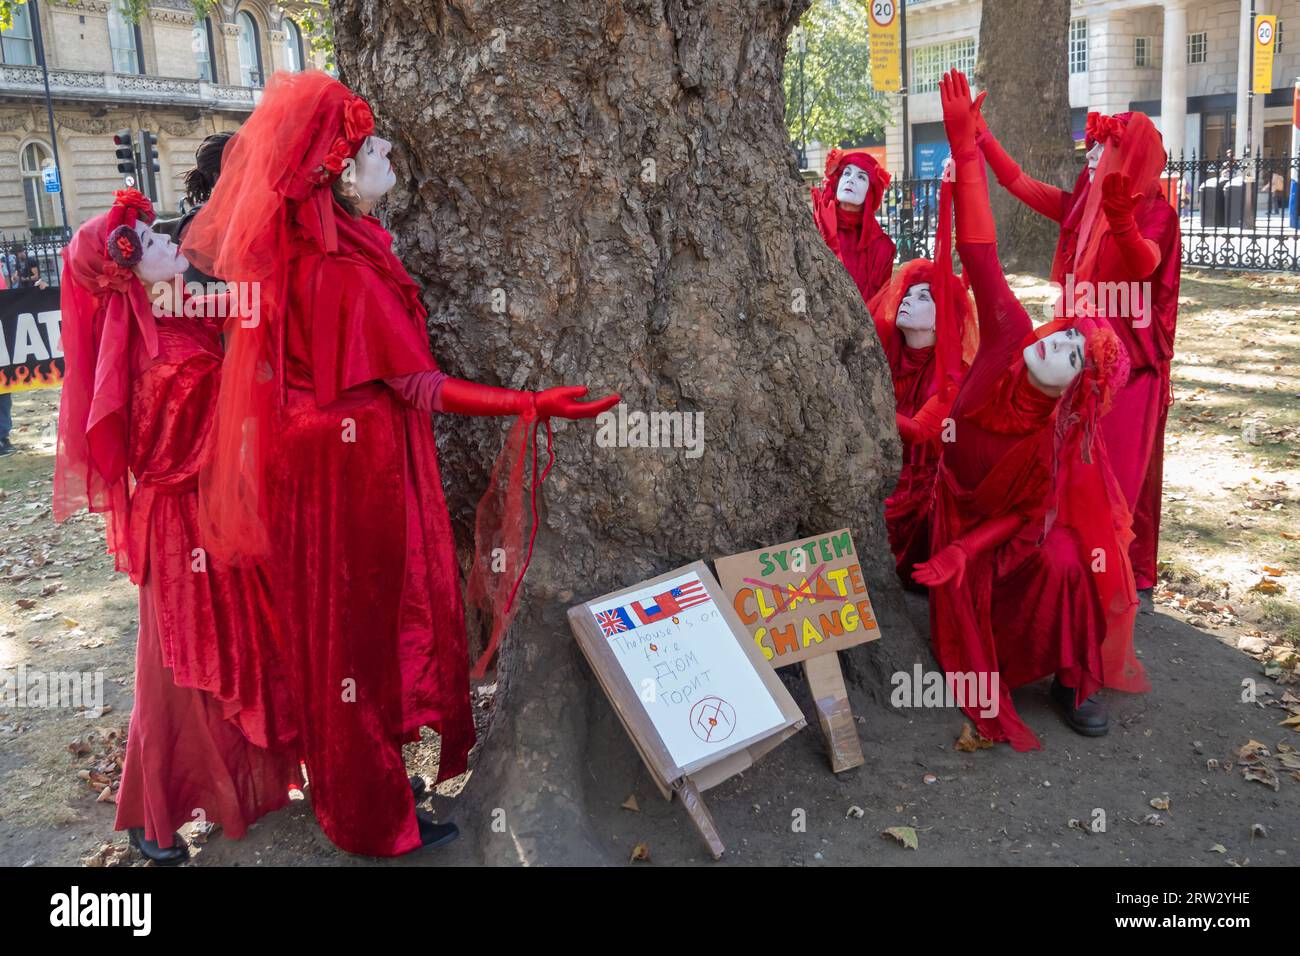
(201, 44)
(930, 63)
(124, 39)
(250, 51)
(1142, 47)
(1079, 46)
(41, 211)
(293, 54)
(1277, 38)
(16, 42)
(1196, 48)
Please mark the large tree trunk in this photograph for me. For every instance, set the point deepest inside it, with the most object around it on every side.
(1028, 38)
(620, 173)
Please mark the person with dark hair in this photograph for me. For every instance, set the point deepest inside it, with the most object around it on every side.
(199, 183)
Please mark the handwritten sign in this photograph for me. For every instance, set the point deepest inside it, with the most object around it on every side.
(690, 672)
(802, 598)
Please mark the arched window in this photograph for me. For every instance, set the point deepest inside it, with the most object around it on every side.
(201, 43)
(42, 211)
(16, 42)
(250, 51)
(293, 51)
(124, 39)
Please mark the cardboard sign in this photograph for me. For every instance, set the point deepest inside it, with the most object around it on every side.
(689, 686)
(802, 598)
(31, 344)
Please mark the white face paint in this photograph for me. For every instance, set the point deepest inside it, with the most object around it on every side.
(853, 187)
(1054, 361)
(1094, 158)
(162, 259)
(916, 316)
(374, 174)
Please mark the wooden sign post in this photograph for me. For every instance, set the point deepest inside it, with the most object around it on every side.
(689, 686)
(803, 602)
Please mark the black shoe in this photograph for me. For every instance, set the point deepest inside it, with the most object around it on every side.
(1089, 718)
(1146, 601)
(171, 856)
(417, 787)
(435, 834)
(7, 448)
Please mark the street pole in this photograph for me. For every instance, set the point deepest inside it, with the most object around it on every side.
(1250, 90)
(907, 136)
(49, 106)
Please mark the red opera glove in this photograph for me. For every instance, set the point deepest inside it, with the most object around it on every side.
(907, 429)
(961, 119)
(926, 424)
(563, 402)
(1134, 255)
(459, 397)
(948, 565)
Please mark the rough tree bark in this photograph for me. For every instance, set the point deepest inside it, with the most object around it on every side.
(1031, 117)
(620, 173)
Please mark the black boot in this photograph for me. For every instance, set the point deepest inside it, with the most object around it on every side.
(173, 855)
(417, 788)
(1089, 718)
(435, 834)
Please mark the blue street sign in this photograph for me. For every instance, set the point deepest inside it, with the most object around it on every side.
(50, 176)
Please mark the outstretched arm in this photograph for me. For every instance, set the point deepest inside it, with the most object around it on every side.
(1041, 197)
(1001, 316)
(433, 391)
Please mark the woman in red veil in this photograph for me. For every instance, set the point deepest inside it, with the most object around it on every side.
(211, 732)
(325, 467)
(844, 209)
(1125, 232)
(1030, 574)
(926, 324)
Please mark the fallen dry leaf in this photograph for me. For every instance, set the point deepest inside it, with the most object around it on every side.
(969, 742)
(904, 835)
(640, 852)
(631, 804)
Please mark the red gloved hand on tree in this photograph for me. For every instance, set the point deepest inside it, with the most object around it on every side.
(948, 565)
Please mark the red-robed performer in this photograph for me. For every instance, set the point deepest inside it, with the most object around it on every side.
(844, 209)
(325, 465)
(1030, 575)
(926, 324)
(1119, 253)
(210, 733)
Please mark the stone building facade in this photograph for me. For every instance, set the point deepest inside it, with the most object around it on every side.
(169, 74)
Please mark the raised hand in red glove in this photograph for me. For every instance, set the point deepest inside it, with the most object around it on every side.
(949, 564)
(962, 117)
(1118, 199)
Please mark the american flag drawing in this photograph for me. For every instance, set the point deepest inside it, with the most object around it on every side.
(614, 621)
(690, 594)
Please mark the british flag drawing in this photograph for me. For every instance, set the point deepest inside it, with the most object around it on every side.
(614, 621)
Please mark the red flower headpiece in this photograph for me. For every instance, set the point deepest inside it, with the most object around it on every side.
(129, 207)
(358, 123)
(1105, 129)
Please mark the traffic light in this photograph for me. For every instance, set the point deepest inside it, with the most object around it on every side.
(149, 168)
(125, 152)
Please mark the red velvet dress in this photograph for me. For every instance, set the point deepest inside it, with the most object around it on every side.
(1034, 605)
(365, 570)
(211, 734)
(907, 510)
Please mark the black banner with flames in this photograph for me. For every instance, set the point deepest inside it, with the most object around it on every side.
(31, 347)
